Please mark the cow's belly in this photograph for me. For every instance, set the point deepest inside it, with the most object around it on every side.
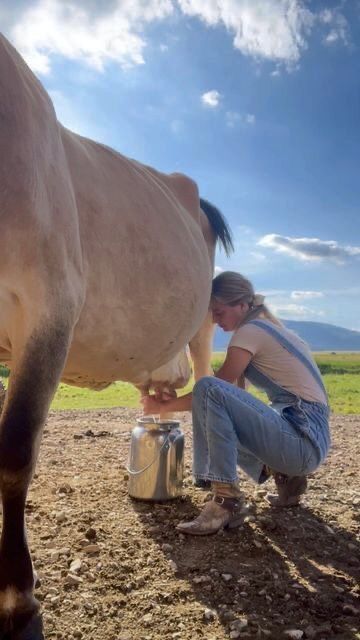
(134, 324)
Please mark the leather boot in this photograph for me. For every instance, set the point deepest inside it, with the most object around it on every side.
(219, 513)
(289, 488)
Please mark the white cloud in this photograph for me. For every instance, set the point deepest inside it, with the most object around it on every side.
(337, 24)
(97, 33)
(270, 29)
(250, 118)
(211, 99)
(218, 270)
(326, 16)
(257, 256)
(310, 249)
(306, 295)
(53, 27)
(233, 118)
(294, 311)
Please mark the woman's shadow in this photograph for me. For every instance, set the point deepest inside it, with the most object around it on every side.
(281, 570)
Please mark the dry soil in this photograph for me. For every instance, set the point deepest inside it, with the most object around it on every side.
(113, 569)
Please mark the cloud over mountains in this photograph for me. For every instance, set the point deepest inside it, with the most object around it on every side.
(308, 249)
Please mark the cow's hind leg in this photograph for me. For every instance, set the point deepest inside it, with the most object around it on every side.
(31, 387)
(201, 348)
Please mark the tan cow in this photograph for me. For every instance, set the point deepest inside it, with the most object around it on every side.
(105, 274)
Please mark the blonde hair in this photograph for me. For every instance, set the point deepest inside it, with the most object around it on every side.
(231, 288)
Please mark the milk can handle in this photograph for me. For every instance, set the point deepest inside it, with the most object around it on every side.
(136, 473)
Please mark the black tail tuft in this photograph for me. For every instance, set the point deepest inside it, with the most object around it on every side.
(218, 224)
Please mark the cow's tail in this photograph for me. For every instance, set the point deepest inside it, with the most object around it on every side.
(219, 225)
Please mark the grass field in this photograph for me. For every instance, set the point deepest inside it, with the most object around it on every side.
(341, 373)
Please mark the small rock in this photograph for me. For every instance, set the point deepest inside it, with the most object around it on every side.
(60, 517)
(75, 566)
(243, 581)
(240, 624)
(147, 619)
(246, 508)
(90, 534)
(92, 549)
(329, 529)
(295, 634)
(350, 610)
(65, 489)
(173, 565)
(209, 615)
(249, 518)
(201, 579)
(234, 634)
(167, 547)
(310, 632)
(71, 579)
(226, 577)
(261, 492)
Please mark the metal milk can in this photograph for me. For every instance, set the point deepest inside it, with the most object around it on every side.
(156, 459)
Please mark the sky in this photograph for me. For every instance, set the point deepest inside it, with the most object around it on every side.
(257, 100)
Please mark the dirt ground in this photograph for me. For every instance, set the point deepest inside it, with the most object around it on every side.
(113, 569)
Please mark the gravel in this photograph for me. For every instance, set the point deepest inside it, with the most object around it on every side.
(110, 568)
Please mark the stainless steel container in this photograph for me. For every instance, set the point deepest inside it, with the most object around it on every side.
(156, 459)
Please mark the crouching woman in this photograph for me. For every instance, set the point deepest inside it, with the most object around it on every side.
(289, 438)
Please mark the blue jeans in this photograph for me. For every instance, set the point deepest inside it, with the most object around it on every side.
(231, 427)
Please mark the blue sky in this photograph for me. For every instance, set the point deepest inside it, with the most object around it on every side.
(257, 100)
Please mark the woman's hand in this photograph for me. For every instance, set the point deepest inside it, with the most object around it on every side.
(165, 402)
(155, 404)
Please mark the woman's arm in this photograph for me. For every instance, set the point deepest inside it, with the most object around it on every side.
(232, 369)
(234, 365)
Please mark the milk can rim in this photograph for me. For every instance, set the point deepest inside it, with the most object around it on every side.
(162, 422)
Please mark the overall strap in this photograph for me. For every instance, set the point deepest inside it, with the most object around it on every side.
(275, 333)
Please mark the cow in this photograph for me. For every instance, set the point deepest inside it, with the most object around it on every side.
(105, 275)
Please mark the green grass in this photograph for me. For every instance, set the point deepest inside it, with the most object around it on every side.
(119, 394)
(341, 373)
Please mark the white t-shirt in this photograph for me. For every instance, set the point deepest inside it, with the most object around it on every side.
(274, 361)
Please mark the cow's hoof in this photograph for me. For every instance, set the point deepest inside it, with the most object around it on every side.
(21, 627)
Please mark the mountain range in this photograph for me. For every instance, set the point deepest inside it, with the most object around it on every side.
(319, 336)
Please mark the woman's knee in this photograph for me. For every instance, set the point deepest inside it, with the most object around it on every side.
(202, 386)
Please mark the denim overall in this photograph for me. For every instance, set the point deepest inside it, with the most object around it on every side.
(231, 427)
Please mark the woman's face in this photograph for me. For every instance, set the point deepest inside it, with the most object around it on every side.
(228, 318)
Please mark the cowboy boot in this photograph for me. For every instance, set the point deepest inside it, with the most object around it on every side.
(289, 488)
(200, 483)
(219, 513)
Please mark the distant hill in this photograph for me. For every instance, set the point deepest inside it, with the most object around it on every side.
(319, 335)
